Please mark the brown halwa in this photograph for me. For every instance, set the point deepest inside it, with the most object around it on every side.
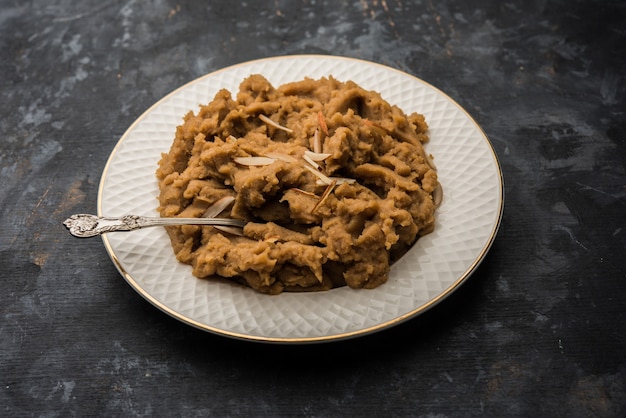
(333, 182)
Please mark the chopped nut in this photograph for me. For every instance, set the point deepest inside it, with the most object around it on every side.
(322, 122)
(316, 156)
(321, 176)
(254, 161)
(233, 230)
(339, 180)
(317, 141)
(218, 207)
(438, 195)
(282, 157)
(311, 162)
(274, 124)
(325, 195)
(296, 189)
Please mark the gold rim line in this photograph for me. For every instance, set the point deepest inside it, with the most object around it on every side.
(327, 338)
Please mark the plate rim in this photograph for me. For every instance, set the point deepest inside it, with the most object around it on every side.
(451, 288)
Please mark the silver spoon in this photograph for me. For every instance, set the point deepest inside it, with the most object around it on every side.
(83, 225)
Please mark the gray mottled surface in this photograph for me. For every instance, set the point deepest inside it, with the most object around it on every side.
(537, 331)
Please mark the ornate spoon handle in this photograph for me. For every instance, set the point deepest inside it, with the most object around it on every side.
(84, 225)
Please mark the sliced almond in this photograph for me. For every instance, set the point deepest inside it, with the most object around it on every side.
(311, 162)
(254, 161)
(218, 207)
(282, 157)
(341, 180)
(322, 122)
(325, 195)
(324, 179)
(438, 195)
(274, 124)
(233, 230)
(304, 192)
(317, 156)
(317, 141)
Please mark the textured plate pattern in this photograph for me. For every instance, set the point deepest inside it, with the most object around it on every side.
(467, 221)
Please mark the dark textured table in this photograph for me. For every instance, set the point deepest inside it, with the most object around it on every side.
(538, 330)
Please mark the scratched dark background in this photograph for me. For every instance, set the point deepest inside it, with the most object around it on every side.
(537, 331)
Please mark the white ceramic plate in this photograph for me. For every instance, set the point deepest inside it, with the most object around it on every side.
(466, 226)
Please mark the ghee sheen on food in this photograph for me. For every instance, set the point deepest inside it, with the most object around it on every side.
(333, 181)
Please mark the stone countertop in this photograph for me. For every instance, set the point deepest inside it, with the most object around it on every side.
(538, 330)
